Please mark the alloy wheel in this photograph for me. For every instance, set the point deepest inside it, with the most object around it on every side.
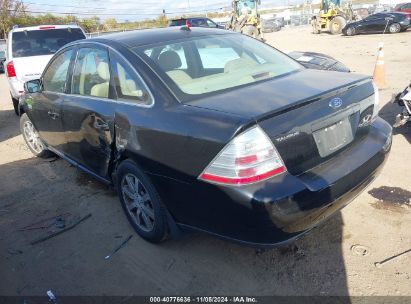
(138, 202)
(32, 137)
(394, 28)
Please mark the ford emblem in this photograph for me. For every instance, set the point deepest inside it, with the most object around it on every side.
(335, 103)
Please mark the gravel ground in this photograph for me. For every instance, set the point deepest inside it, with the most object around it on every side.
(334, 259)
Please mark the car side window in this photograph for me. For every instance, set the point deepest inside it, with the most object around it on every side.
(54, 79)
(91, 75)
(374, 17)
(211, 23)
(129, 86)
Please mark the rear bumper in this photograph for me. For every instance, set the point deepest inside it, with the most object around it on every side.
(16, 87)
(285, 207)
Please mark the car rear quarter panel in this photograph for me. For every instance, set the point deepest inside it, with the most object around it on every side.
(173, 145)
(175, 142)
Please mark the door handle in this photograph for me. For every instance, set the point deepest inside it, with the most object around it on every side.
(53, 115)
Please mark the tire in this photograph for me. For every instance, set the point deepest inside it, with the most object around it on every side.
(394, 28)
(16, 106)
(315, 28)
(32, 139)
(350, 31)
(148, 216)
(250, 30)
(337, 24)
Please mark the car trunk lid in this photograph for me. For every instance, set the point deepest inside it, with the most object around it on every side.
(309, 116)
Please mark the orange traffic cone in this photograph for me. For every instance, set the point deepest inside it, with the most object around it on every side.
(379, 71)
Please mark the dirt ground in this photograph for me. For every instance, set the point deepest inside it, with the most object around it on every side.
(334, 259)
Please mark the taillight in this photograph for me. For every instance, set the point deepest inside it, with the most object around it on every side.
(188, 23)
(248, 158)
(11, 72)
(47, 27)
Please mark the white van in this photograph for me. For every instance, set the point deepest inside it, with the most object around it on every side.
(29, 49)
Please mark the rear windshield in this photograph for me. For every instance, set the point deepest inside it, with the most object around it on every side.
(43, 42)
(206, 65)
(179, 22)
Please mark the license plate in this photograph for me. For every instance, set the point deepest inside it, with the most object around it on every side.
(334, 137)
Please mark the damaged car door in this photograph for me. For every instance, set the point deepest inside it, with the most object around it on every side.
(88, 112)
(45, 105)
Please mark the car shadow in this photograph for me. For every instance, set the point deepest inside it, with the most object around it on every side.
(313, 265)
(197, 264)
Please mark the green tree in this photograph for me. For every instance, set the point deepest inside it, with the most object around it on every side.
(110, 24)
(10, 11)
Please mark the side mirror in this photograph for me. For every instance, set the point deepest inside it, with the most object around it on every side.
(32, 86)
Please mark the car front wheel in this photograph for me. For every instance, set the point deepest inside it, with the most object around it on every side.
(395, 28)
(32, 139)
(141, 202)
(350, 31)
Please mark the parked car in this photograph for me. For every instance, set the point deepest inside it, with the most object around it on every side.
(269, 26)
(378, 23)
(3, 44)
(195, 22)
(208, 130)
(361, 13)
(2, 60)
(403, 7)
(29, 51)
(280, 21)
(318, 61)
(374, 9)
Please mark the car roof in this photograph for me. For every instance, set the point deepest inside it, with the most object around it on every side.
(43, 27)
(152, 36)
(177, 19)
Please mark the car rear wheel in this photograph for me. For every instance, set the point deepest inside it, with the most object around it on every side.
(32, 139)
(141, 202)
(395, 28)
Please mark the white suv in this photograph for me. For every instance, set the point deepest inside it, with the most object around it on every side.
(29, 49)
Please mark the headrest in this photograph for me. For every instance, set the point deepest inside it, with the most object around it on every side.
(103, 71)
(169, 60)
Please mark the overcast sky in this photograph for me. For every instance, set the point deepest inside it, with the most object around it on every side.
(135, 10)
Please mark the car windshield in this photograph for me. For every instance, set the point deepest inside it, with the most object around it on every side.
(43, 42)
(206, 65)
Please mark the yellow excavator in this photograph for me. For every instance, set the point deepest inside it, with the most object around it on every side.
(245, 18)
(332, 17)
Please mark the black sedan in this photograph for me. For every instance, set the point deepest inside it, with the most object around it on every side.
(378, 24)
(208, 130)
